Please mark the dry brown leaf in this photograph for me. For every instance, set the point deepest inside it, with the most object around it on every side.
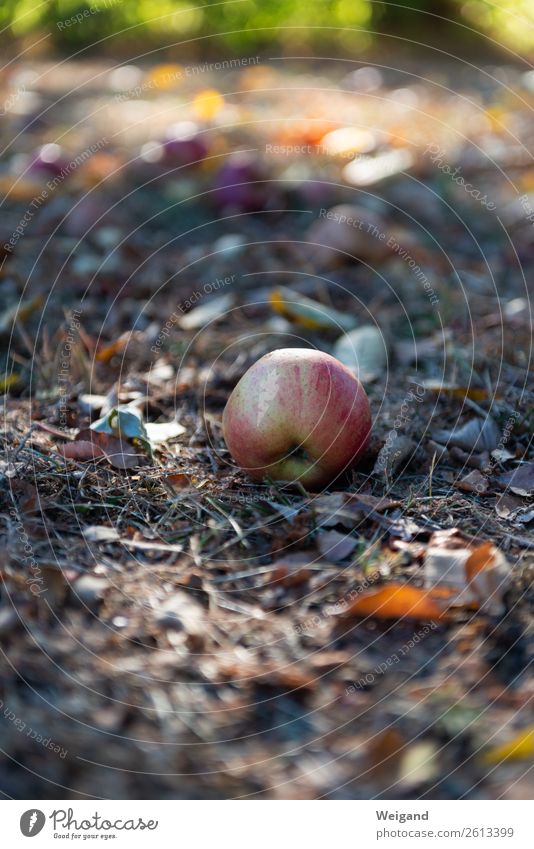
(476, 434)
(393, 454)
(335, 546)
(291, 571)
(178, 480)
(348, 509)
(55, 431)
(520, 481)
(474, 482)
(378, 503)
(82, 449)
(93, 445)
(27, 496)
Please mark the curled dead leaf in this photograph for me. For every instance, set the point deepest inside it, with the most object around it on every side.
(520, 481)
(82, 449)
(94, 445)
(335, 546)
(476, 434)
(474, 482)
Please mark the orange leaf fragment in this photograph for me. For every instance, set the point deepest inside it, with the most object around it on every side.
(487, 573)
(397, 601)
(106, 352)
(178, 480)
(483, 557)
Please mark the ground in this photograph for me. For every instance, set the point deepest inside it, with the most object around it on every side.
(168, 627)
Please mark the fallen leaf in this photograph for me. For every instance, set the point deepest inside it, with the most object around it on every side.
(89, 590)
(335, 546)
(81, 449)
(55, 431)
(396, 601)
(502, 455)
(507, 505)
(178, 480)
(159, 432)
(479, 434)
(363, 351)
(100, 533)
(308, 313)
(519, 747)
(207, 312)
(514, 510)
(105, 353)
(348, 509)
(395, 451)
(520, 480)
(90, 403)
(94, 445)
(27, 496)
(487, 573)
(475, 482)
(378, 503)
(291, 570)
(475, 393)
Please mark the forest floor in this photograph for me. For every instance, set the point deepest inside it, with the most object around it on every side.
(168, 627)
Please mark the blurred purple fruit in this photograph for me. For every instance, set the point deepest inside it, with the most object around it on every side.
(239, 185)
(182, 146)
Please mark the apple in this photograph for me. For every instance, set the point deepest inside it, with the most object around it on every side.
(297, 415)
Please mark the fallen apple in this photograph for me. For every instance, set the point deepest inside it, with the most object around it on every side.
(297, 415)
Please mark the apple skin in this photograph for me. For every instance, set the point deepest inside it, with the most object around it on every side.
(297, 415)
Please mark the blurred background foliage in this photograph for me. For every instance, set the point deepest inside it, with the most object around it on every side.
(233, 26)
